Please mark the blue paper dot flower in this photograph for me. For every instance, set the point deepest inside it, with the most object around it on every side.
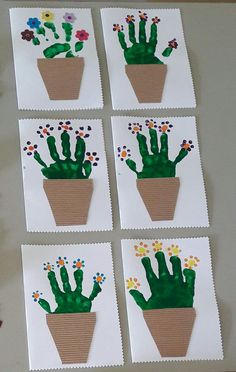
(78, 264)
(36, 296)
(33, 22)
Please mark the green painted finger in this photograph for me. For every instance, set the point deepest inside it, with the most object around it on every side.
(51, 141)
(142, 141)
(162, 267)
(96, 290)
(132, 37)
(153, 36)
(87, 166)
(150, 275)
(65, 143)
(177, 269)
(80, 149)
(78, 275)
(180, 156)
(121, 37)
(54, 284)
(65, 279)
(153, 141)
(45, 305)
(37, 157)
(142, 31)
(132, 165)
(164, 145)
(138, 298)
(190, 276)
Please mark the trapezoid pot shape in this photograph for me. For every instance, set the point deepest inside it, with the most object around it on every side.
(159, 196)
(62, 76)
(69, 200)
(72, 335)
(171, 329)
(147, 81)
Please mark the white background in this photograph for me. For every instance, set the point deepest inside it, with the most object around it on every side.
(178, 89)
(191, 208)
(205, 342)
(31, 92)
(39, 216)
(42, 350)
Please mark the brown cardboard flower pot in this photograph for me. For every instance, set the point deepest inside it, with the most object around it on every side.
(69, 200)
(147, 81)
(72, 334)
(159, 196)
(62, 76)
(171, 329)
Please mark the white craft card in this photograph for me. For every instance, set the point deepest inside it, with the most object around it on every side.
(178, 88)
(31, 91)
(191, 207)
(39, 216)
(205, 342)
(97, 257)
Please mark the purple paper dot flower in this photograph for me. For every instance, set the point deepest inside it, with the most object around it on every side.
(69, 17)
(33, 22)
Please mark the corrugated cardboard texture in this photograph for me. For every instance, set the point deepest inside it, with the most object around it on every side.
(62, 76)
(69, 200)
(72, 334)
(171, 329)
(147, 81)
(159, 196)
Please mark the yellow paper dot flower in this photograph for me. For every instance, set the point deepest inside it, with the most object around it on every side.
(173, 250)
(191, 262)
(47, 16)
(132, 283)
(157, 246)
(141, 250)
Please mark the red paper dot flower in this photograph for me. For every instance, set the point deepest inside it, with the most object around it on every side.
(82, 35)
(123, 152)
(130, 19)
(65, 126)
(82, 132)
(27, 35)
(143, 16)
(187, 145)
(92, 156)
(117, 27)
(165, 127)
(45, 131)
(31, 149)
(156, 20)
(173, 44)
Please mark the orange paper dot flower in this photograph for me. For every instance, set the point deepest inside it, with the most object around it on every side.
(132, 283)
(157, 246)
(187, 145)
(165, 127)
(36, 296)
(173, 250)
(123, 152)
(150, 123)
(135, 128)
(143, 16)
(62, 261)
(141, 250)
(48, 267)
(191, 262)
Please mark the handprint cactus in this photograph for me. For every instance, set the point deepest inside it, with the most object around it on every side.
(66, 168)
(167, 290)
(156, 163)
(69, 300)
(142, 51)
(42, 31)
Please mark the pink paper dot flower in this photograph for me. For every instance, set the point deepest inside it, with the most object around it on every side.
(173, 44)
(31, 149)
(69, 17)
